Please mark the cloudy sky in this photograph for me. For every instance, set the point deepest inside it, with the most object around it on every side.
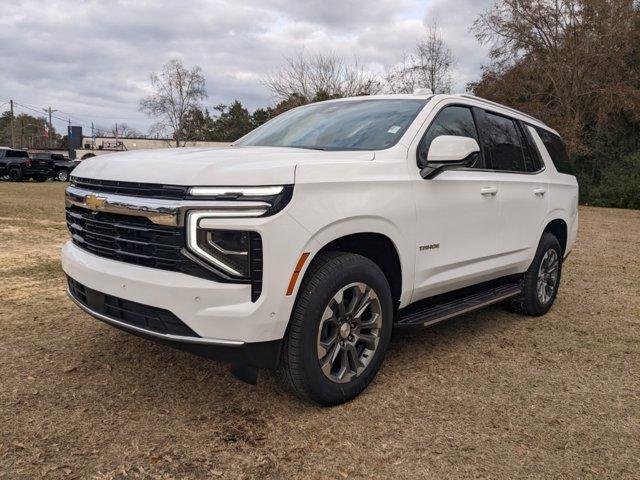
(91, 59)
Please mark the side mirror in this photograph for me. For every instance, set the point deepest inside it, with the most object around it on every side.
(447, 152)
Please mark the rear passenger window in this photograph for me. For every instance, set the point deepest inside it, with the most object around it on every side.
(454, 120)
(504, 143)
(557, 151)
(16, 154)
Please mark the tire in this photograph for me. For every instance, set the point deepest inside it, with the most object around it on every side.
(62, 175)
(314, 320)
(15, 174)
(537, 298)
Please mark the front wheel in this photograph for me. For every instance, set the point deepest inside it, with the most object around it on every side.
(542, 279)
(62, 175)
(339, 331)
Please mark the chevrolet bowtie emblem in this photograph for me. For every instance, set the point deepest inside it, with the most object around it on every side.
(93, 202)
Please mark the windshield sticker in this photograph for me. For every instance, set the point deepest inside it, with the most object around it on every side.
(394, 129)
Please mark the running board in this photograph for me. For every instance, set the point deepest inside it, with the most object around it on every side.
(443, 307)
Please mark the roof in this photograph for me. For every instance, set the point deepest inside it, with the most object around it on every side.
(465, 96)
(9, 148)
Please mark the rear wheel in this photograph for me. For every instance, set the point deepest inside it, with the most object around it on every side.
(339, 330)
(542, 279)
(15, 174)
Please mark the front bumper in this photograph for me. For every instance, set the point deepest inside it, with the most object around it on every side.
(238, 354)
(220, 312)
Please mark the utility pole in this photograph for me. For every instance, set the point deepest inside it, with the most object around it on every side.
(13, 142)
(50, 125)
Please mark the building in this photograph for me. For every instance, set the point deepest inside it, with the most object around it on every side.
(102, 145)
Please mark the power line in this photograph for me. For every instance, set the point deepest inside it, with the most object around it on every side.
(52, 116)
(38, 109)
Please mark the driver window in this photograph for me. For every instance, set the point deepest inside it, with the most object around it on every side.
(454, 120)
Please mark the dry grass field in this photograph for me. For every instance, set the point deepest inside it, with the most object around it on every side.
(488, 395)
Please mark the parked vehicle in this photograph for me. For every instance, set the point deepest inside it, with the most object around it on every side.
(60, 167)
(17, 166)
(301, 247)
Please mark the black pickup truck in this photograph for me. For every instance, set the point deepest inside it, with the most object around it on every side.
(16, 165)
(61, 166)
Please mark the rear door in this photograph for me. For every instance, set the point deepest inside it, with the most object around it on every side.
(42, 165)
(522, 189)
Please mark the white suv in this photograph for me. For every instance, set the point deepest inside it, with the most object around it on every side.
(301, 247)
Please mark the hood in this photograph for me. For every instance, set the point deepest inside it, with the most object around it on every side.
(209, 166)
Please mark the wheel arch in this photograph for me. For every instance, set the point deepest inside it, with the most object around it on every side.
(560, 229)
(373, 238)
(378, 248)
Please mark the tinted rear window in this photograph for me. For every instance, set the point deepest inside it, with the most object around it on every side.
(16, 154)
(557, 151)
(505, 144)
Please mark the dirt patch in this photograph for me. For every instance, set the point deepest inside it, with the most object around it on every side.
(488, 395)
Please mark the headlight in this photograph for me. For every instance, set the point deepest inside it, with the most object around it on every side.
(235, 192)
(229, 247)
(265, 201)
(233, 252)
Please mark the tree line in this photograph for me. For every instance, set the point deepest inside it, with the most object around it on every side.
(176, 104)
(574, 64)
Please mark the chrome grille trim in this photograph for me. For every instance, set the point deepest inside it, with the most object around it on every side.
(159, 211)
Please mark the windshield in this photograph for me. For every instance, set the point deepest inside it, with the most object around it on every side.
(342, 125)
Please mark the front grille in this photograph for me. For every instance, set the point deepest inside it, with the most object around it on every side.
(137, 240)
(131, 239)
(135, 314)
(131, 189)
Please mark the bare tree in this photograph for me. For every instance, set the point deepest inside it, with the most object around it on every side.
(563, 58)
(401, 78)
(428, 67)
(319, 76)
(177, 90)
(122, 130)
(434, 61)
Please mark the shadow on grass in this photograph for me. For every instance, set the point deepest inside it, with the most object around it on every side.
(157, 369)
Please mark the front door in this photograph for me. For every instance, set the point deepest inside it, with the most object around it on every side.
(458, 215)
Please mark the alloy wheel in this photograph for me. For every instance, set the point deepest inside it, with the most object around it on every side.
(548, 276)
(349, 332)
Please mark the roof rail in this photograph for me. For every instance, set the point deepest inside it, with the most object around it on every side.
(489, 102)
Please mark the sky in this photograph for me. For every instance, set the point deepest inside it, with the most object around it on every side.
(91, 59)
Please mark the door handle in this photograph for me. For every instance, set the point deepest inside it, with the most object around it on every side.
(489, 191)
(539, 191)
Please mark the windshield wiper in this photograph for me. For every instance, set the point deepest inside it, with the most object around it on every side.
(308, 148)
